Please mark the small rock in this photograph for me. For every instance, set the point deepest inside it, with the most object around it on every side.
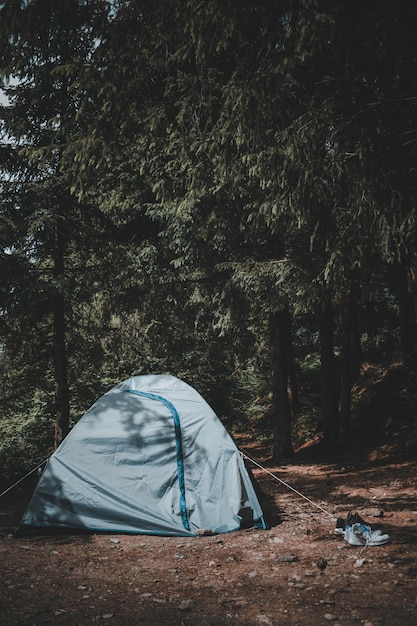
(374, 513)
(186, 605)
(296, 578)
(330, 617)
(263, 619)
(288, 558)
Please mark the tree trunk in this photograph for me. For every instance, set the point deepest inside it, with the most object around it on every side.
(407, 314)
(293, 391)
(329, 387)
(345, 366)
(62, 405)
(283, 451)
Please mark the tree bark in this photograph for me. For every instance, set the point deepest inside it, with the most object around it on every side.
(62, 400)
(407, 314)
(283, 451)
(293, 390)
(345, 366)
(329, 386)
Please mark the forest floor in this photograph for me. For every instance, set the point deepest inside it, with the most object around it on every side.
(297, 572)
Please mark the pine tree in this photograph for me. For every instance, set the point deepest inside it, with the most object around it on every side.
(43, 46)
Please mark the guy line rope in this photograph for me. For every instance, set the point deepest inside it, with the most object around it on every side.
(285, 484)
(23, 478)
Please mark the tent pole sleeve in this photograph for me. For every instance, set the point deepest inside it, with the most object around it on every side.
(178, 447)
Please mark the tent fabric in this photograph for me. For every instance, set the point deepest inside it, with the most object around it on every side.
(149, 457)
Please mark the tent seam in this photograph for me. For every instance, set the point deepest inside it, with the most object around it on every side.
(178, 448)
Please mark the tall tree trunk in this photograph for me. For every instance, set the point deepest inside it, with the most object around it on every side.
(355, 343)
(345, 366)
(62, 404)
(293, 391)
(407, 313)
(329, 387)
(283, 451)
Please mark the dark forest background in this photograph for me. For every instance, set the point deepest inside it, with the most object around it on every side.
(224, 191)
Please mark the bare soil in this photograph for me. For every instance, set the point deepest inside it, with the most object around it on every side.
(297, 572)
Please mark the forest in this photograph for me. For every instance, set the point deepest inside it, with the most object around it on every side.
(223, 191)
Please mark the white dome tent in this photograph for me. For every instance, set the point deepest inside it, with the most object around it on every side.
(149, 457)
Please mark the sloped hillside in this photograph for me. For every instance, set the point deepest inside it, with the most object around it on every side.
(385, 412)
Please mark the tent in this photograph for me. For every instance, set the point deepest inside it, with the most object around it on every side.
(149, 457)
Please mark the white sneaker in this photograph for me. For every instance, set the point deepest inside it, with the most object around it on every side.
(362, 535)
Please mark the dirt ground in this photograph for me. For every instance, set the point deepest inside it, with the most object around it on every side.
(297, 572)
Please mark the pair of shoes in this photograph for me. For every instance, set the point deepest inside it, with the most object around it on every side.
(352, 518)
(362, 535)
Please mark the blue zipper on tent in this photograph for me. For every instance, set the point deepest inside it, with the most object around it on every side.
(178, 448)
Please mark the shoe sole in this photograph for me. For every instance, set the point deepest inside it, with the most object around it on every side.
(355, 541)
